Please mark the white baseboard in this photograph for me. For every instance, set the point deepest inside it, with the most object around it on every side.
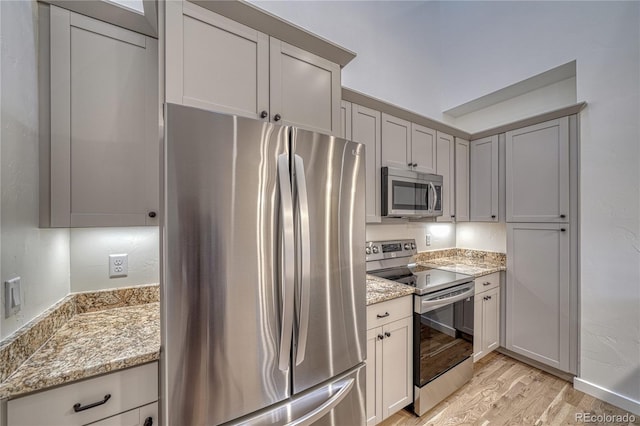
(606, 395)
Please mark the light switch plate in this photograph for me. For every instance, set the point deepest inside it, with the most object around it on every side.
(118, 265)
(428, 240)
(12, 297)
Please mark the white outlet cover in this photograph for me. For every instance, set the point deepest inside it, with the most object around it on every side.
(118, 265)
(12, 297)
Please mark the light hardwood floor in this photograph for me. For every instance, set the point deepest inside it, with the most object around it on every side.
(504, 391)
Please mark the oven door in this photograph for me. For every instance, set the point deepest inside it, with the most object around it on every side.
(443, 332)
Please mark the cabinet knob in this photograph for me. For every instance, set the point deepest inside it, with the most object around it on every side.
(386, 333)
(484, 298)
(493, 216)
(562, 229)
(486, 283)
(415, 164)
(264, 114)
(410, 164)
(562, 216)
(277, 117)
(488, 297)
(148, 421)
(152, 214)
(380, 337)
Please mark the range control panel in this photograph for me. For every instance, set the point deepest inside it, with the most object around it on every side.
(379, 250)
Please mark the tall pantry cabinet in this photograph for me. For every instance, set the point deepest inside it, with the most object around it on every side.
(541, 201)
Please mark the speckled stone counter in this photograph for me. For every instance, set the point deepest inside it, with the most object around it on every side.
(380, 290)
(470, 262)
(94, 339)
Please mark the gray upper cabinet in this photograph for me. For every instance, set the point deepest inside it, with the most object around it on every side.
(103, 148)
(304, 88)
(484, 194)
(423, 149)
(345, 120)
(538, 172)
(462, 180)
(539, 306)
(445, 166)
(215, 63)
(396, 142)
(366, 129)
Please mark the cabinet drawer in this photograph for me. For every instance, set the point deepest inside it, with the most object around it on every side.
(137, 417)
(487, 282)
(128, 389)
(389, 311)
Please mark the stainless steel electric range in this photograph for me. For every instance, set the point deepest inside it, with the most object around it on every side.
(442, 320)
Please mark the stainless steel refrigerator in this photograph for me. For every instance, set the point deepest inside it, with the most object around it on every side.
(263, 275)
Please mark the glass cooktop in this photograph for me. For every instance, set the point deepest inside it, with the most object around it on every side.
(424, 279)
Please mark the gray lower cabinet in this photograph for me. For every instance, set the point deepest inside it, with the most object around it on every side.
(538, 172)
(539, 306)
(100, 129)
(484, 188)
(215, 63)
(365, 129)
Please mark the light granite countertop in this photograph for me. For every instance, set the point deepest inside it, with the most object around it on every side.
(465, 265)
(90, 344)
(380, 290)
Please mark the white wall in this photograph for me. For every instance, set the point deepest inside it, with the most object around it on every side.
(40, 257)
(90, 250)
(443, 235)
(396, 43)
(496, 44)
(482, 236)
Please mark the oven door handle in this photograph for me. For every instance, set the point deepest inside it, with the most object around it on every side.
(430, 305)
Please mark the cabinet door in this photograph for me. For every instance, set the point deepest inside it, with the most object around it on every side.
(215, 63)
(397, 366)
(538, 172)
(345, 120)
(366, 130)
(396, 142)
(143, 416)
(462, 180)
(490, 320)
(105, 135)
(423, 149)
(305, 89)
(374, 376)
(538, 304)
(445, 166)
(484, 180)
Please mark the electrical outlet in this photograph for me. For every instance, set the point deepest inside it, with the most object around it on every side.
(12, 297)
(118, 265)
(428, 240)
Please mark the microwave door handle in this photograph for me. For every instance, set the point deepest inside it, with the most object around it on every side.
(287, 253)
(435, 196)
(305, 260)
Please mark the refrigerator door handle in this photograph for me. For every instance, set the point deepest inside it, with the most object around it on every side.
(323, 409)
(287, 283)
(305, 236)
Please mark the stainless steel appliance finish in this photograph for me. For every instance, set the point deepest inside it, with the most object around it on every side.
(263, 275)
(442, 320)
(410, 194)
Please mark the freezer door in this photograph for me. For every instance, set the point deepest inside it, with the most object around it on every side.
(330, 332)
(222, 266)
(340, 402)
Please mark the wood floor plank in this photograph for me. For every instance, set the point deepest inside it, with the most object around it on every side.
(504, 391)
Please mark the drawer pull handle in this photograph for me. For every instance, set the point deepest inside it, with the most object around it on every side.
(78, 407)
(148, 422)
(486, 283)
(386, 314)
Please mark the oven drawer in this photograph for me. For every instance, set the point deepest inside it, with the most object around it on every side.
(487, 282)
(389, 311)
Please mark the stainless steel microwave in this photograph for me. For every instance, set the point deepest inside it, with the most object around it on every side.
(410, 194)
